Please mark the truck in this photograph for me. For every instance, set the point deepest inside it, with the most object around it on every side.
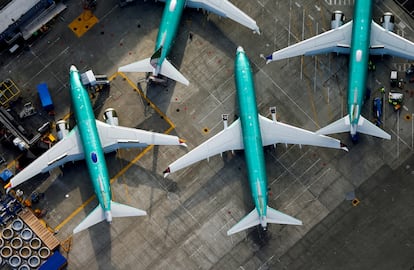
(395, 99)
(377, 110)
(45, 98)
(393, 78)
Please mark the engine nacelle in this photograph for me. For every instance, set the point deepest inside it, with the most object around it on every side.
(387, 21)
(338, 19)
(62, 129)
(111, 117)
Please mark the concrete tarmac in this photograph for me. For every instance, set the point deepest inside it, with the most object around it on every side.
(190, 212)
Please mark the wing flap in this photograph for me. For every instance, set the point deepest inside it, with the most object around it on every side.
(68, 149)
(276, 132)
(386, 42)
(226, 140)
(118, 137)
(336, 40)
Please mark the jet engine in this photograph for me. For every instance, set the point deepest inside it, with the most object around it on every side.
(387, 21)
(62, 129)
(111, 117)
(338, 19)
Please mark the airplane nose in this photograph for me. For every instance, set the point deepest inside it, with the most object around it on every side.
(73, 68)
(240, 49)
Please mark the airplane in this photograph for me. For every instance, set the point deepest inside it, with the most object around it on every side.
(89, 140)
(358, 38)
(158, 64)
(251, 132)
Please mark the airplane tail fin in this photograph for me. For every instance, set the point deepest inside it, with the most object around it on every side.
(253, 219)
(98, 215)
(152, 65)
(364, 126)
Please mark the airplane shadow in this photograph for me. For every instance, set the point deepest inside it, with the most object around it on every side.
(192, 23)
(101, 244)
(225, 176)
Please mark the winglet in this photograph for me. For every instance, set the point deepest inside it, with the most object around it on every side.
(269, 58)
(182, 142)
(7, 187)
(344, 147)
(166, 172)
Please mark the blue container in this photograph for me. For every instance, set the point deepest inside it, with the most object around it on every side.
(44, 96)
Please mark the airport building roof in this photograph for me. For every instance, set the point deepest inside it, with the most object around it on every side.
(13, 11)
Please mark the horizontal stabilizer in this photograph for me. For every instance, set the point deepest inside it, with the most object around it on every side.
(339, 126)
(122, 210)
(96, 216)
(140, 66)
(277, 217)
(366, 127)
(253, 219)
(168, 70)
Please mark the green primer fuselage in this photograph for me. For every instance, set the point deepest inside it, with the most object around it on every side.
(359, 56)
(252, 138)
(94, 156)
(170, 22)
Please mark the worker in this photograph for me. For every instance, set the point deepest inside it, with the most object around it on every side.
(371, 65)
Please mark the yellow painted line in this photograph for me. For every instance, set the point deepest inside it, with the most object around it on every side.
(13, 162)
(132, 162)
(145, 97)
(83, 23)
(74, 213)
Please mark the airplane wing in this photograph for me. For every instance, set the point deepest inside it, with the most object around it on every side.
(387, 42)
(228, 139)
(225, 9)
(336, 40)
(68, 149)
(116, 137)
(277, 132)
